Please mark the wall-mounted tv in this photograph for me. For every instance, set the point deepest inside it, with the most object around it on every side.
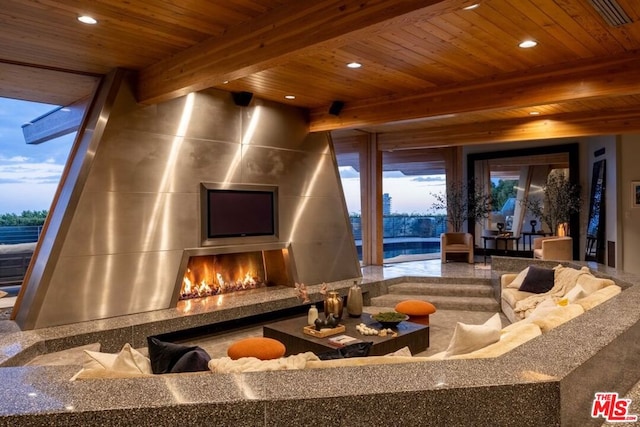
(240, 211)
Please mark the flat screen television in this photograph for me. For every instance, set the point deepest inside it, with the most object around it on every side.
(240, 212)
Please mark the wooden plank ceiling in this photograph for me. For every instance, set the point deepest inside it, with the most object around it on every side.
(433, 73)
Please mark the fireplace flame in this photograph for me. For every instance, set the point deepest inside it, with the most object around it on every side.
(217, 274)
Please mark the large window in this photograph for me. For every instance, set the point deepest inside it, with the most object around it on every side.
(350, 177)
(29, 177)
(411, 227)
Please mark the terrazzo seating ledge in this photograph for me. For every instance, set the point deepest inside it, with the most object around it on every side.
(550, 381)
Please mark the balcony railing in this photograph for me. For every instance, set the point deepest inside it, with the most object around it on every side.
(405, 234)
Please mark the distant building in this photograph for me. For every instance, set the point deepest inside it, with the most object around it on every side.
(386, 204)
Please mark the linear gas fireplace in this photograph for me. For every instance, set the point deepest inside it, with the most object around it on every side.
(219, 270)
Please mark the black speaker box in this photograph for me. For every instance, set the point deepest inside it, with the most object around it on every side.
(242, 99)
(336, 107)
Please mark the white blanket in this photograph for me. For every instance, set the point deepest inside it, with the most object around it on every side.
(251, 364)
(564, 280)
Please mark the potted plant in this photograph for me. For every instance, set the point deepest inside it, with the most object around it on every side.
(462, 203)
(560, 200)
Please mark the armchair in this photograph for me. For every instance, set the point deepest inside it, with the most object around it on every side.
(553, 247)
(457, 243)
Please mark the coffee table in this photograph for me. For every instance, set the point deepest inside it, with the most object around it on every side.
(290, 333)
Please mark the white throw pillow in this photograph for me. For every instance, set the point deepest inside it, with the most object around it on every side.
(3, 294)
(468, 338)
(574, 294)
(127, 362)
(517, 282)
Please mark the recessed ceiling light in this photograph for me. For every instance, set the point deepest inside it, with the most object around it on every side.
(354, 65)
(85, 19)
(226, 82)
(473, 6)
(534, 113)
(527, 44)
(290, 96)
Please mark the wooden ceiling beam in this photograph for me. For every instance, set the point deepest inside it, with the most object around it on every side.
(296, 29)
(583, 80)
(588, 123)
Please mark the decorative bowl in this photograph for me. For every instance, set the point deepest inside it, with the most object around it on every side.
(389, 319)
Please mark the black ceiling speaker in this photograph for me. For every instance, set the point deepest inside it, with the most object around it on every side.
(336, 107)
(242, 98)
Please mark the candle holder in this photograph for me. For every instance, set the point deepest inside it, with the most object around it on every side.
(533, 223)
(500, 226)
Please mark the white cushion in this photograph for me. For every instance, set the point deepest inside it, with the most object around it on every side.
(558, 316)
(128, 362)
(598, 297)
(517, 282)
(541, 310)
(590, 283)
(3, 294)
(468, 338)
(509, 339)
(512, 296)
(574, 294)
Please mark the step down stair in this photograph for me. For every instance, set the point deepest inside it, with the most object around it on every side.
(476, 295)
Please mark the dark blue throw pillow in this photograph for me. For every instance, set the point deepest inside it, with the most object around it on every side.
(196, 360)
(538, 280)
(168, 357)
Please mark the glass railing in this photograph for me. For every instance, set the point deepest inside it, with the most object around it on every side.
(405, 234)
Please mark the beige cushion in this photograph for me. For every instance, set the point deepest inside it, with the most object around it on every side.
(511, 296)
(3, 294)
(127, 363)
(541, 310)
(590, 283)
(558, 316)
(598, 297)
(573, 295)
(468, 338)
(509, 339)
(517, 281)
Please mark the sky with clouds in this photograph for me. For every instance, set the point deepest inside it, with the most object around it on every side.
(409, 194)
(29, 174)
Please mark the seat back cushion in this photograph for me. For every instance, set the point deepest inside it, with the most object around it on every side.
(598, 297)
(558, 316)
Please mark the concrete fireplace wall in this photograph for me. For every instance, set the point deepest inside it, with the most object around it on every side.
(129, 202)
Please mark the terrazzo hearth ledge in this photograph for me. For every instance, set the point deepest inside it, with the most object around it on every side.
(560, 371)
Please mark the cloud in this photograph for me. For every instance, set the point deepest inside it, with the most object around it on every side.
(439, 179)
(16, 159)
(393, 174)
(30, 173)
(347, 172)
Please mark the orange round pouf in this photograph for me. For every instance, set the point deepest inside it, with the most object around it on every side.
(258, 347)
(418, 311)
